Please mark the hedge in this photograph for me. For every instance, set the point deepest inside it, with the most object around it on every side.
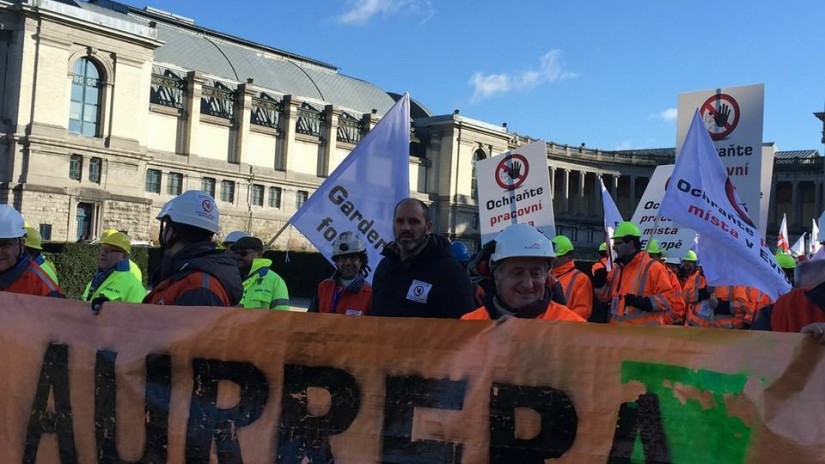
(76, 263)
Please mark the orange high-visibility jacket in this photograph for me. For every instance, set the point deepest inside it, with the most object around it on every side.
(27, 278)
(600, 264)
(701, 314)
(578, 290)
(642, 276)
(690, 290)
(554, 312)
(676, 315)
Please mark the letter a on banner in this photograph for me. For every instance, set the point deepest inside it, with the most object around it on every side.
(701, 196)
(361, 194)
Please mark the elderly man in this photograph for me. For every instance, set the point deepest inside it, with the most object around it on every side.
(263, 288)
(418, 276)
(113, 280)
(520, 264)
(347, 291)
(18, 273)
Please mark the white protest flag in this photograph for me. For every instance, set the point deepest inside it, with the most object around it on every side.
(612, 218)
(701, 196)
(798, 248)
(361, 194)
(815, 245)
(782, 241)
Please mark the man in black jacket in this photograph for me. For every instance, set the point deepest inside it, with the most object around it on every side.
(419, 277)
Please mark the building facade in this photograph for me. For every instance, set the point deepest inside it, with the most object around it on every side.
(109, 111)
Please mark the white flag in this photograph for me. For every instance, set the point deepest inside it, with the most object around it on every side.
(782, 241)
(798, 248)
(815, 244)
(612, 218)
(701, 196)
(361, 194)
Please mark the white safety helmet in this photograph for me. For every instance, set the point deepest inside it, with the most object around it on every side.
(12, 224)
(234, 236)
(522, 240)
(672, 260)
(194, 208)
(347, 243)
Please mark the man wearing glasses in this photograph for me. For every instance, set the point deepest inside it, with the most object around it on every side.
(262, 287)
(346, 292)
(638, 288)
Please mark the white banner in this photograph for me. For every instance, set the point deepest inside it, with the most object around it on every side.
(612, 218)
(361, 194)
(674, 240)
(701, 196)
(782, 240)
(815, 244)
(733, 118)
(514, 188)
(798, 248)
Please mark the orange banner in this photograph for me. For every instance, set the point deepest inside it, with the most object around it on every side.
(158, 384)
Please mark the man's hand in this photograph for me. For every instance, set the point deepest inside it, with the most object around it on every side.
(97, 304)
(720, 118)
(817, 330)
(514, 170)
(640, 302)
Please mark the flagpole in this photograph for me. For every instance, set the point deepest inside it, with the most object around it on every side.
(655, 226)
(277, 234)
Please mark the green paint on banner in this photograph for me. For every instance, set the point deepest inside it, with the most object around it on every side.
(700, 430)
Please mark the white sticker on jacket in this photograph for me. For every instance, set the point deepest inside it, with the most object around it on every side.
(354, 312)
(419, 291)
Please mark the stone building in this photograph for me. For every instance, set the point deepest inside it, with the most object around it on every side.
(108, 111)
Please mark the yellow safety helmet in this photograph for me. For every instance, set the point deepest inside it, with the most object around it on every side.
(690, 256)
(106, 233)
(627, 229)
(562, 245)
(119, 240)
(33, 238)
(785, 261)
(653, 248)
(603, 246)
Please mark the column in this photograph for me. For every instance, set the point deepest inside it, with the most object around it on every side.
(794, 219)
(614, 187)
(243, 107)
(772, 204)
(192, 111)
(552, 182)
(633, 192)
(581, 207)
(565, 197)
(288, 120)
(329, 138)
(818, 200)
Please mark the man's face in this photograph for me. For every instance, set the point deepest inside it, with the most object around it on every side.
(410, 226)
(689, 267)
(520, 282)
(349, 265)
(245, 257)
(109, 256)
(10, 249)
(658, 257)
(624, 246)
(562, 260)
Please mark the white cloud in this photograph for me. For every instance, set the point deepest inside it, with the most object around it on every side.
(550, 69)
(668, 115)
(361, 11)
(626, 144)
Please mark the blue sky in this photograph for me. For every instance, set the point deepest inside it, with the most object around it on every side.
(604, 73)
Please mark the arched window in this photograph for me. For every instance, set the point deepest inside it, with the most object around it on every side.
(84, 113)
(477, 156)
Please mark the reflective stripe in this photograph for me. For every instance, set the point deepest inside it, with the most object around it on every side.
(279, 302)
(568, 292)
(205, 280)
(46, 280)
